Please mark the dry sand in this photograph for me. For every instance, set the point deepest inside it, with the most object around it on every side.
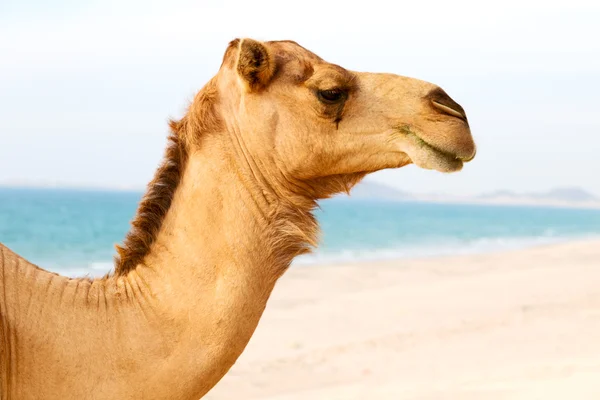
(519, 325)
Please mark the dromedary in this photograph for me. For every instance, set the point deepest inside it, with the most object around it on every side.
(229, 208)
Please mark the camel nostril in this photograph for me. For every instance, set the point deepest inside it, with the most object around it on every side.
(448, 110)
(444, 103)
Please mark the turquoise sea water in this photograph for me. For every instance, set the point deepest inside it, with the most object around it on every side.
(74, 232)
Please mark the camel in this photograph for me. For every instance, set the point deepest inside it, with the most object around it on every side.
(230, 206)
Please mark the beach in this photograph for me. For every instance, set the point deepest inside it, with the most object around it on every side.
(522, 324)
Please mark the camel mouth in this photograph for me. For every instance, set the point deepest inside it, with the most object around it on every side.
(437, 159)
(428, 156)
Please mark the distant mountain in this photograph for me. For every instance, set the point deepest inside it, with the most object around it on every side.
(373, 190)
(561, 197)
(566, 194)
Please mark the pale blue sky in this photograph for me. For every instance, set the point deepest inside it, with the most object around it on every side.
(86, 88)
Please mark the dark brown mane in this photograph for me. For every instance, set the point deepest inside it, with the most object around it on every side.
(156, 202)
(153, 207)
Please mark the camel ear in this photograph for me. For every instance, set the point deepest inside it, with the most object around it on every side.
(255, 64)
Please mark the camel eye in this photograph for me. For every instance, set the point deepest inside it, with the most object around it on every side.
(331, 96)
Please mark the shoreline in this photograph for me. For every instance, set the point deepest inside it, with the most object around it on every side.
(320, 261)
(518, 324)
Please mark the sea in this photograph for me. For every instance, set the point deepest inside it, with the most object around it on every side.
(73, 232)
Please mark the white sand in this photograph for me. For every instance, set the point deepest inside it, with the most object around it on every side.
(519, 325)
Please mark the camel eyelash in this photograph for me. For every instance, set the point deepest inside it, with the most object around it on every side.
(332, 96)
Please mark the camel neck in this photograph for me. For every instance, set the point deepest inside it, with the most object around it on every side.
(215, 261)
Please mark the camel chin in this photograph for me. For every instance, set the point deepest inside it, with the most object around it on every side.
(437, 160)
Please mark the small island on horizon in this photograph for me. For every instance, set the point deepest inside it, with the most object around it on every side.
(574, 197)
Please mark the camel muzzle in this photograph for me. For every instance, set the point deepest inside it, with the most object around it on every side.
(462, 146)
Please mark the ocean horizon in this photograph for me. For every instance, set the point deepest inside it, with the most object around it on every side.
(73, 232)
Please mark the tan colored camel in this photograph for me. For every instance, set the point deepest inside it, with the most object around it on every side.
(229, 208)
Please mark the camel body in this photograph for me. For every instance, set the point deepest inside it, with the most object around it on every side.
(229, 208)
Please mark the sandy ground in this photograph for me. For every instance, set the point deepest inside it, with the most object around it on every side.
(519, 325)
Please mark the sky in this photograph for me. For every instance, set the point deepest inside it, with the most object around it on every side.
(87, 87)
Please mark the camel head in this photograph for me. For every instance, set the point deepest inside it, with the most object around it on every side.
(307, 123)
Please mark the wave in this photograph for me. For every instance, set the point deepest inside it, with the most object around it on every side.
(431, 248)
(438, 248)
